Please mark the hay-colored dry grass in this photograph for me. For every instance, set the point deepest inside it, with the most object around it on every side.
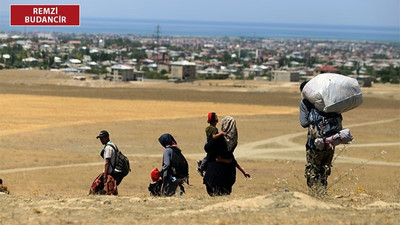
(28, 113)
(49, 153)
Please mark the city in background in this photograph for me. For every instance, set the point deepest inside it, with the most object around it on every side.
(261, 40)
(122, 57)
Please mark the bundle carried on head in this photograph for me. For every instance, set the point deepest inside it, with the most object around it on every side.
(330, 92)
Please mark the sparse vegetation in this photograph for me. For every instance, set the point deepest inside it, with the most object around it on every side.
(49, 181)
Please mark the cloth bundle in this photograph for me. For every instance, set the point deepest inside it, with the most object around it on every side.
(228, 125)
(99, 187)
(343, 137)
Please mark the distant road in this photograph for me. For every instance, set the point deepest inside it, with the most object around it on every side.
(286, 150)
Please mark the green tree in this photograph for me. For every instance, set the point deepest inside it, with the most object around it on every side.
(385, 79)
(96, 70)
(394, 80)
(283, 61)
(137, 54)
(226, 58)
(345, 71)
(154, 75)
(163, 72)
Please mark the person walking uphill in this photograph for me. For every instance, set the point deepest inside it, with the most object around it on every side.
(175, 169)
(318, 160)
(221, 165)
(106, 183)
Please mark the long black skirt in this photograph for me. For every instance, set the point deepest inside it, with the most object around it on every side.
(220, 177)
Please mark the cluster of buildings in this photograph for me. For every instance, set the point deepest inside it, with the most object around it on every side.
(130, 57)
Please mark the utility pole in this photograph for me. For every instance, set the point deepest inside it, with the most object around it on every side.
(158, 34)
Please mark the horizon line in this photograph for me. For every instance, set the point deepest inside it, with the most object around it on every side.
(6, 15)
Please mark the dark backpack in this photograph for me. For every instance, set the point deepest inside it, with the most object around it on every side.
(121, 167)
(179, 164)
(325, 124)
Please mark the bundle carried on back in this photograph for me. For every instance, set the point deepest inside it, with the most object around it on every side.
(330, 92)
(228, 125)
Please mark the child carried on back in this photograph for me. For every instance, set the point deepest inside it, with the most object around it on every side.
(230, 134)
(211, 134)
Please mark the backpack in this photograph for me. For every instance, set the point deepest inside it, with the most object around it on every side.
(121, 167)
(179, 164)
(325, 124)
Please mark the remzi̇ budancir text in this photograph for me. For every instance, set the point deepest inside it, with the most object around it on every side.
(46, 15)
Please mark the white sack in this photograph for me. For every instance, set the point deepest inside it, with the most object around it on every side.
(330, 92)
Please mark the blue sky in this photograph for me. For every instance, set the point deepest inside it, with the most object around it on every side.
(382, 13)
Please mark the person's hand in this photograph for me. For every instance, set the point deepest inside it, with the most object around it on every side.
(223, 133)
(246, 175)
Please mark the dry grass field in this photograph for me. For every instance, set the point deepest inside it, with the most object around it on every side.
(49, 154)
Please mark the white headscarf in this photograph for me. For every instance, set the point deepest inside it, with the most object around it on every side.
(228, 125)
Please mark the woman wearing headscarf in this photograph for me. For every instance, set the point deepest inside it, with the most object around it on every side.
(221, 168)
(174, 171)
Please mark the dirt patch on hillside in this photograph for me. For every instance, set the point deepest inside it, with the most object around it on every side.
(277, 208)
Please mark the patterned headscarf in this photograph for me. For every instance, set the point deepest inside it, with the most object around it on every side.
(228, 125)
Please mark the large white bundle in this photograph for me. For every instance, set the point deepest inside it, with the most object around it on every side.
(330, 92)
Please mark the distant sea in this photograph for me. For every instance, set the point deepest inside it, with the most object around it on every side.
(220, 29)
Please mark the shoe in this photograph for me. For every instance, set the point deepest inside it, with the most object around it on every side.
(201, 172)
(198, 163)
